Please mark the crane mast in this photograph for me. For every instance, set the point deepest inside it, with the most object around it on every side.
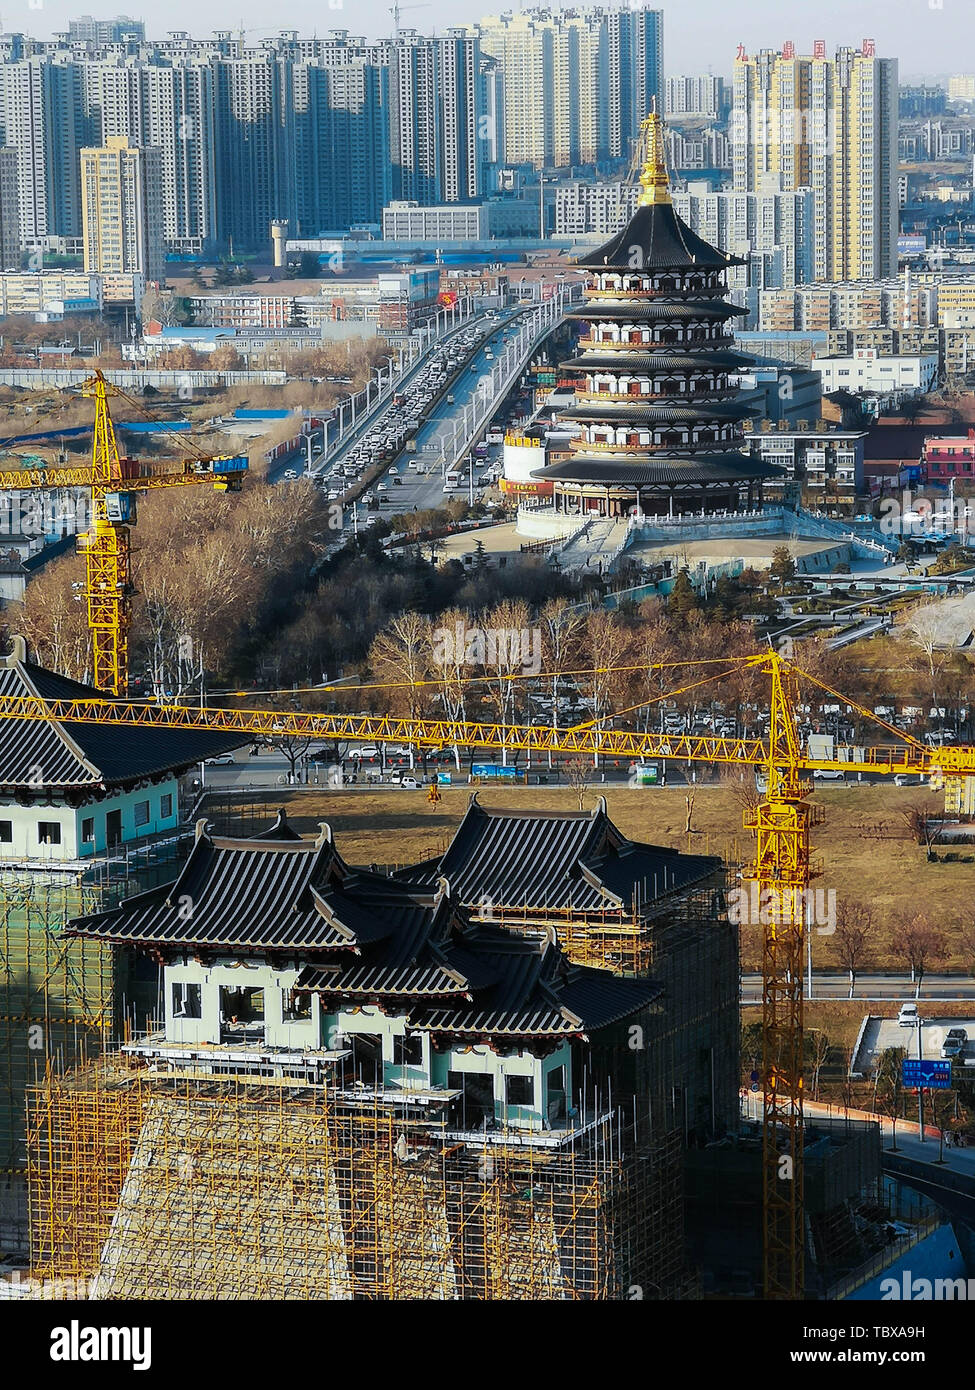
(107, 554)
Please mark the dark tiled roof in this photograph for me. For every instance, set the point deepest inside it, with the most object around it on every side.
(662, 241)
(644, 310)
(537, 992)
(79, 755)
(411, 947)
(554, 859)
(629, 361)
(253, 895)
(669, 311)
(662, 468)
(676, 408)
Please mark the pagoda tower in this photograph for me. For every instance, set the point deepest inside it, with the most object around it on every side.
(661, 423)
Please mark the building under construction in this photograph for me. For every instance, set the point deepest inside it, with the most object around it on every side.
(87, 818)
(636, 909)
(364, 1090)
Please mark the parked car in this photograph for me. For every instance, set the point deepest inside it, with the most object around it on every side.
(221, 760)
(908, 1016)
(410, 783)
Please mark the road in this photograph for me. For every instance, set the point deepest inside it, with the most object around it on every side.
(871, 989)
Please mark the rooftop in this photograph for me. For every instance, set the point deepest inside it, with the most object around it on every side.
(556, 859)
(77, 755)
(360, 937)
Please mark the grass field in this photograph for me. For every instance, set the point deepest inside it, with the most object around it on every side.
(863, 849)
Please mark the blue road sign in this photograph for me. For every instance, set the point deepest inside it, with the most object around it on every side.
(919, 1072)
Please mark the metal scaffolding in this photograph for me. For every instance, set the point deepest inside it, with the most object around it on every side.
(166, 1187)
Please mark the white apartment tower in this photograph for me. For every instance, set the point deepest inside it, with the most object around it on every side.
(829, 124)
(577, 83)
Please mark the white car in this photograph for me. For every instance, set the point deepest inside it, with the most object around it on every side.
(410, 783)
(830, 774)
(221, 760)
(908, 1016)
(368, 750)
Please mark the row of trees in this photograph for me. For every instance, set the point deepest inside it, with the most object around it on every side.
(213, 573)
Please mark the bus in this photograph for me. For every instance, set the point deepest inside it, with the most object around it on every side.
(452, 480)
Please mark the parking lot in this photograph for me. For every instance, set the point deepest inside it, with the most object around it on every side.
(883, 1033)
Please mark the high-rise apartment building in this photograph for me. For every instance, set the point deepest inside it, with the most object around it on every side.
(122, 209)
(319, 132)
(435, 104)
(700, 95)
(829, 124)
(118, 30)
(9, 209)
(577, 83)
(42, 118)
(961, 87)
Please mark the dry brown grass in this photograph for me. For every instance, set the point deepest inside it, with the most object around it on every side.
(395, 827)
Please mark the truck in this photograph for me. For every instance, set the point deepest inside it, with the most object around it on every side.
(451, 398)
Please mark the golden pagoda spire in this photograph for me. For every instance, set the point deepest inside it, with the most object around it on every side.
(654, 182)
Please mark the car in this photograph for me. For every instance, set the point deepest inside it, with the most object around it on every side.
(903, 779)
(951, 1047)
(368, 750)
(908, 1016)
(829, 774)
(959, 1035)
(221, 760)
(409, 783)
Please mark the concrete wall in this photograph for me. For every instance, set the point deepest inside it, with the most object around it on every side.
(278, 1032)
(25, 842)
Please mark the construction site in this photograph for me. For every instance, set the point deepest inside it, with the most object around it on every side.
(148, 1186)
(257, 1070)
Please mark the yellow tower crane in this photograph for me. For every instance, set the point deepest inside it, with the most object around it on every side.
(113, 483)
(782, 866)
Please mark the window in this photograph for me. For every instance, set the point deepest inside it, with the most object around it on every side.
(297, 1006)
(519, 1090)
(142, 813)
(166, 806)
(48, 832)
(408, 1050)
(6, 832)
(88, 830)
(187, 1001)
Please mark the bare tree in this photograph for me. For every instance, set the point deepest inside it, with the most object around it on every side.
(578, 773)
(920, 944)
(851, 940)
(689, 812)
(923, 828)
(925, 631)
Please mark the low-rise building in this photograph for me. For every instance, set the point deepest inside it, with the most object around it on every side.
(821, 461)
(410, 221)
(867, 371)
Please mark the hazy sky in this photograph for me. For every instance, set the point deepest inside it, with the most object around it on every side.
(929, 38)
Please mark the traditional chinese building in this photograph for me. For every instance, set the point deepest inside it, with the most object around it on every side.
(661, 423)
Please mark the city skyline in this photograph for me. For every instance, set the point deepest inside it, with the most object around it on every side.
(921, 37)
